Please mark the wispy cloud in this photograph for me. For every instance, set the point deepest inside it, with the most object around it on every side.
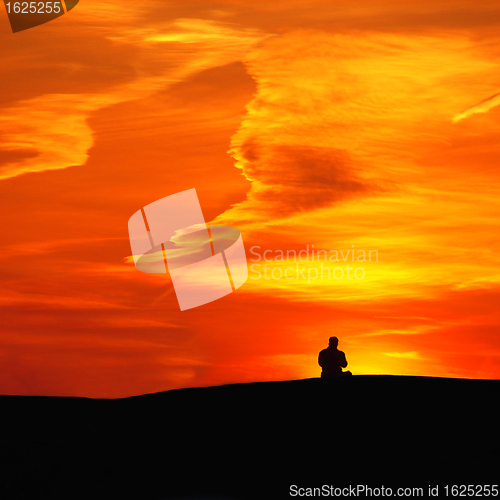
(341, 117)
(482, 107)
(405, 355)
(54, 128)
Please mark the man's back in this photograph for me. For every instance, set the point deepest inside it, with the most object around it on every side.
(332, 361)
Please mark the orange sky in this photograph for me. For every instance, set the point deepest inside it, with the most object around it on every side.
(365, 127)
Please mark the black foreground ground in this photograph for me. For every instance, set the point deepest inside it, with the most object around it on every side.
(253, 440)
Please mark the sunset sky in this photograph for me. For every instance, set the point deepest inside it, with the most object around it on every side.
(308, 125)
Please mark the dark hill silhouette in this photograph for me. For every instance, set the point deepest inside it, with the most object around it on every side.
(252, 440)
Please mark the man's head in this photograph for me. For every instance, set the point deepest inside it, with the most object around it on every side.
(333, 341)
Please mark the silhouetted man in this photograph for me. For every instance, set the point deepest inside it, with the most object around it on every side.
(332, 360)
